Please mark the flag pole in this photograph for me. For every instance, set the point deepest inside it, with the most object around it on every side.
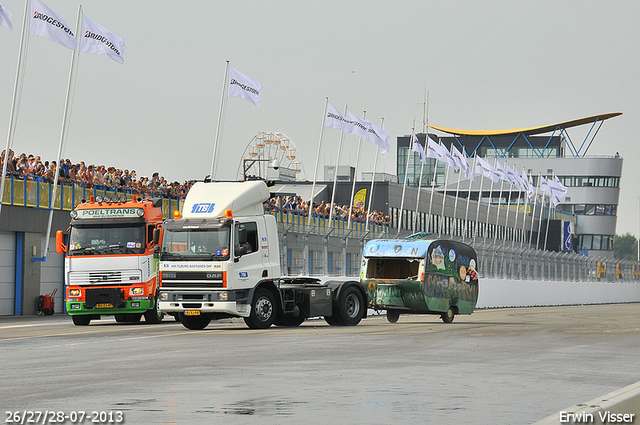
(220, 125)
(541, 207)
(546, 233)
(444, 198)
(475, 230)
(533, 212)
(506, 216)
(415, 216)
(404, 186)
(373, 179)
(466, 214)
(515, 223)
(315, 170)
(65, 127)
(335, 173)
(455, 203)
(425, 126)
(433, 188)
(17, 95)
(355, 177)
(486, 230)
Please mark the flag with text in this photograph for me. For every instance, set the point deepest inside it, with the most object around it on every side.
(98, 40)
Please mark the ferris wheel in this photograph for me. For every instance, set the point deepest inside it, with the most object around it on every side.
(263, 150)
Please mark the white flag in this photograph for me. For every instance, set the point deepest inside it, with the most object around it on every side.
(46, 24)
(502, 172)
(417, 147)
(486, 169)
(463, 163)
(5, 17)
(448, 157)
(528, 184)
(334, 119)
(243, 86)
(98, 40)
(433, 149)
(359, 126)
(380, 137)
(512, 176)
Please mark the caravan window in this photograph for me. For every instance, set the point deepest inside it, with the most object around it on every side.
(393, 268)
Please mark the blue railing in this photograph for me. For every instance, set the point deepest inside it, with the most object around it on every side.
(39, 194)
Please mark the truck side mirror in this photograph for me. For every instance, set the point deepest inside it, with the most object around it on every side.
(60, 246)
(242, 236)
(156, 236)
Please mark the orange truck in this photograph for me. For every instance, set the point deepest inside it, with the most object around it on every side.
(109, 267)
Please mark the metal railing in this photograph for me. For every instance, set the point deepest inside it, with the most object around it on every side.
(39, 194)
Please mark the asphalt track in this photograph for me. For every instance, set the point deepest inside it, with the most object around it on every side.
(509, 366)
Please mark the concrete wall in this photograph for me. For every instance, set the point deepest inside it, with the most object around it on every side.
(495, 293)
(623, 406)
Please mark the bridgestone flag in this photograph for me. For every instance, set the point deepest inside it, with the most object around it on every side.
(98, 40)
(487, 170)
(243, 86)
(417, 147)
(5, 17)
(46, 24)
(358, 126)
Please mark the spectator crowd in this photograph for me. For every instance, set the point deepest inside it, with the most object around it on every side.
(30, 167)
(296, 205)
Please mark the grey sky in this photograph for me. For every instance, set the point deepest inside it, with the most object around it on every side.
(486, 65)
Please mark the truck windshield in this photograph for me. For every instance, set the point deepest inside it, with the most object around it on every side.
(107, 239)
(196, 244)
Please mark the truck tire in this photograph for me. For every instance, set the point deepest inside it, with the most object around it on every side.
(133, 317)
(263, 310)
(195, 323)
(81, 320)
(289, 321)
(153, 315)
(350, 307)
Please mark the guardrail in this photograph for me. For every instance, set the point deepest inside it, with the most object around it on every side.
(39, 194)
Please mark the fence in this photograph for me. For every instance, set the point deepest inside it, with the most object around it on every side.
(37, 194)
(310, 246)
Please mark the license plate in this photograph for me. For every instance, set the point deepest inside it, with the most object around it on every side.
(192, 312)
(104, 305)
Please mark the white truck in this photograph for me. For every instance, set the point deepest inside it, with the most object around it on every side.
(220, 259)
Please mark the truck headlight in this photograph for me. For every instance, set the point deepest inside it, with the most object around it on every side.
(223, 296)
(136, 291)
(164, 296)
(74, 292)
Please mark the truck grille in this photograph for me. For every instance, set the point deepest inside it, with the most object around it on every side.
(110, 277)
(172, 279)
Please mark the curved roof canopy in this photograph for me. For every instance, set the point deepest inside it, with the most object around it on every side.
(531, 130)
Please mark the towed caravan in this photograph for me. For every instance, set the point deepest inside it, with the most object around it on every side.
(420, 275)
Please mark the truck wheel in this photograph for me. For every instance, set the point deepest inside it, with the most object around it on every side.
(448, 316)
(81, 320)
(133, 317)
(153, 315)
(195, 323)
(393, 316)
(350, 307)
(289, 321)
(333, 321)
(263, 310)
